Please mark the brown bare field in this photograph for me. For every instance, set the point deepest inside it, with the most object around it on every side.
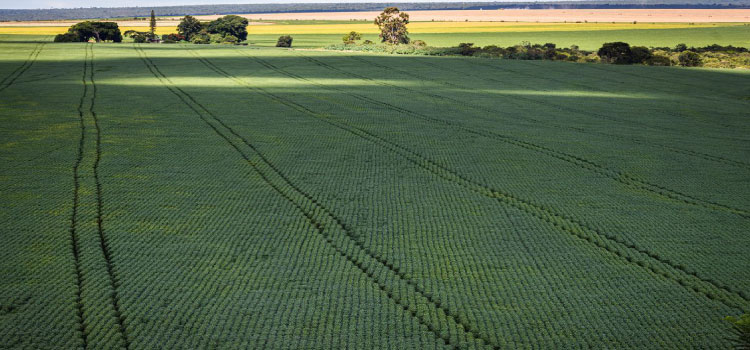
(628, 15)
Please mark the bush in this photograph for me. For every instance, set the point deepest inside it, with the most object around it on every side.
(174, 37)
(467, 49)
(616, 52)
(680, 48)
(658, 60)
(640, 54)
(140, 38)
(351, 38)
(230, 39)
(689, 59)
(216, 38)
(66, 38)
(284, 41)
(367, 42)
(201, 38)
(419, 43)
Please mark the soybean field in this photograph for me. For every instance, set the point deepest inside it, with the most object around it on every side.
(236, 197)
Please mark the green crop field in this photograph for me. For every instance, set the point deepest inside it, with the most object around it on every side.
(188, 196)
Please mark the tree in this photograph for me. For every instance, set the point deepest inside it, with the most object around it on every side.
(616, 52)
(689, 59)
(83, 31)
(392, 24)
(229, 25)
(152, 25)
(189, 26)
(351, 37)
(284, 41)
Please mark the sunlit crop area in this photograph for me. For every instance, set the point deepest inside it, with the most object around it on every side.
(214, 196)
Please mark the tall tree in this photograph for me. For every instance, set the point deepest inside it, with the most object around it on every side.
(229, 25)
(152, 25)
(189, 26)
(392, 24)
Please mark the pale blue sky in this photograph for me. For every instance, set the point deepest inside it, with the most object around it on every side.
(33, 4)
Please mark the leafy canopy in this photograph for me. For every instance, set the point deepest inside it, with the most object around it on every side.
(229, 25)
(392, 24)
(189, 26)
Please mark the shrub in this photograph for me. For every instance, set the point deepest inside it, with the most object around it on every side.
(467, 49)
(201, 38)
(174, 37)
(66, 38)
(689, 59)
(419, 43)
(367, 42)
(680, 48)
(230, 39)
(640, 54)
(216, 38)
(616, 52)
(351, 38)
(284, 41)
(658, 60)
(140, 38)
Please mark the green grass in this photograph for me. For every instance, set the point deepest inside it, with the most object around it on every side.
(168, 196)
(586, 40)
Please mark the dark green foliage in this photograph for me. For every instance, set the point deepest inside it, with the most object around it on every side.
(658, 60)
(467, 49)
(201, 38)
(284, 41)
(616, 53)
(680, 47)
(229, 25)
(689, 59)
(189, 26)
(640, 54)
(172, 38)
(152, 25)
(67, 38)
(392, 24)
(741, 328)
(351, 38)
(99, 31)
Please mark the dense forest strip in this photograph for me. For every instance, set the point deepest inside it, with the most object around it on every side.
(616, 175)
(326, 221)
(74, 236)
(18, 72)
(609, 242)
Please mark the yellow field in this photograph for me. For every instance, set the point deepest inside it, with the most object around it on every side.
(414, 27)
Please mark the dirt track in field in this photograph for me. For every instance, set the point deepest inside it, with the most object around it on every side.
(667, 15)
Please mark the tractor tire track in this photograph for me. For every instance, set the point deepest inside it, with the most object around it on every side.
(18, 72)
(103, 241)
(616, 175)
(324, 220)
(611, 243)
(704, 156)
(74, 239)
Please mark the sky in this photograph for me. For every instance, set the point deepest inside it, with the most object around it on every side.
(36, 4)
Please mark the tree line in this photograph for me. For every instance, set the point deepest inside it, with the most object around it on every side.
(130, 12)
